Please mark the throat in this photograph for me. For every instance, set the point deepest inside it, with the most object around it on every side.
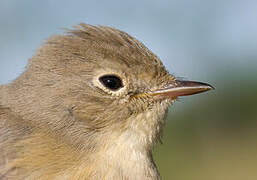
(126, 158)
(127, 153)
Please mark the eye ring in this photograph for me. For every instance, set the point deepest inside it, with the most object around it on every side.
(111, 82)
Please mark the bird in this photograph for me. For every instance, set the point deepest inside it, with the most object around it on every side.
(90, 105)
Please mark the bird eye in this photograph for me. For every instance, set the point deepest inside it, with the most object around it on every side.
(111, 82)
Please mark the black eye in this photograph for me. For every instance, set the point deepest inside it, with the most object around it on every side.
(112, 82)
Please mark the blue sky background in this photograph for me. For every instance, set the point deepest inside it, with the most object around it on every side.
(195, 39)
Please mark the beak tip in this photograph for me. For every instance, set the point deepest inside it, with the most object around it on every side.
(208, 87)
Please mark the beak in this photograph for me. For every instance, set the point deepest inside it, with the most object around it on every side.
(182, 88)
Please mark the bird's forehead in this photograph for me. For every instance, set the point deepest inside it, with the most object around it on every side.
(89, 49)
(132, 65)
(114, 45)
(109, 48)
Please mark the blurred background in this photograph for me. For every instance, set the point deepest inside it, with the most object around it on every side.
(208, 136)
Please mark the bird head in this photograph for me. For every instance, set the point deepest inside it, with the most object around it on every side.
(96, 81)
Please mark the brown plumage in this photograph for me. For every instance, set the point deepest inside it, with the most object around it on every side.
(68, 116)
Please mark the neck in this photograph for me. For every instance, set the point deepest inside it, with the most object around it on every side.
(118, 154)
(127, 154)
(117, 158)
(126, 158)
